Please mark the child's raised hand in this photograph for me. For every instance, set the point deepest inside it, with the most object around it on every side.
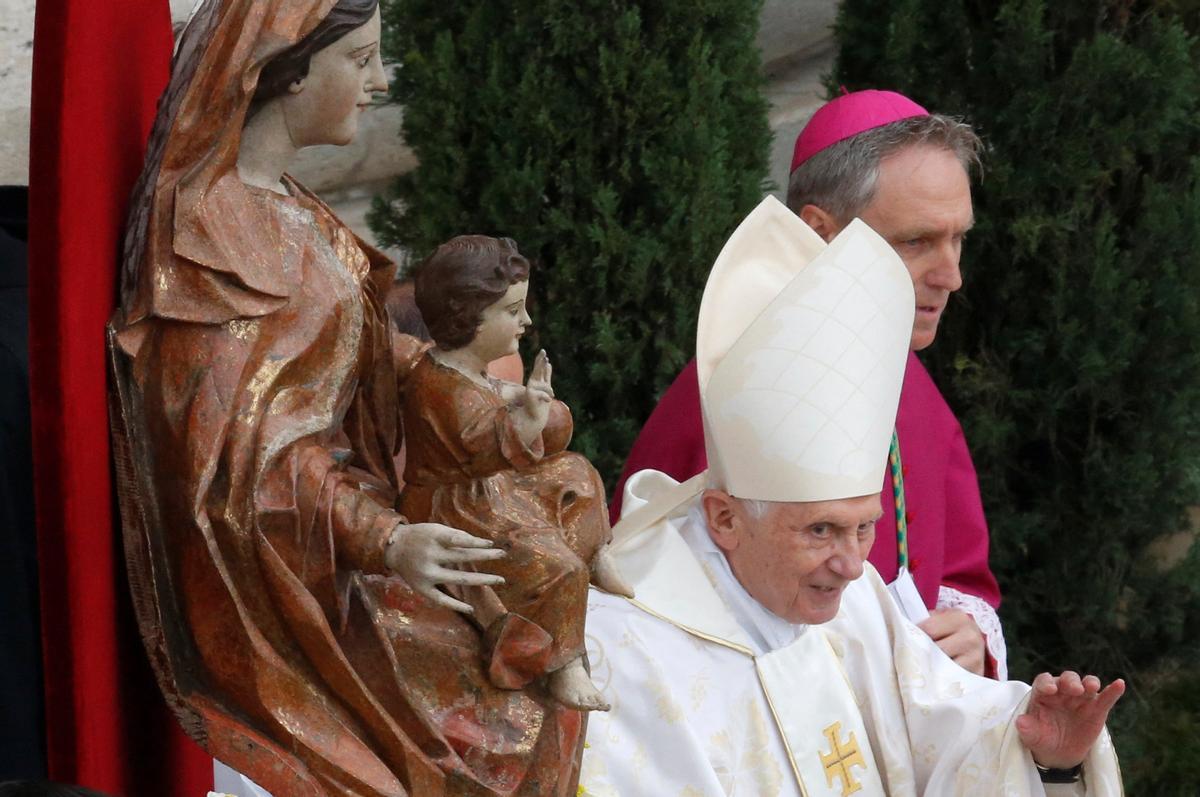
(539, 375)
(512, 393)
(535, 401)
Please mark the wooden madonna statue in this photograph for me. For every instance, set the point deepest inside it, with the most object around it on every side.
(295, 618)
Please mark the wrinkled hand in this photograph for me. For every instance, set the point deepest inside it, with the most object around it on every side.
(424, 555)
(1065, 716)
(956, 633)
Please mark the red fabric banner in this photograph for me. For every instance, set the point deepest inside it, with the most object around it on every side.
(99, 67)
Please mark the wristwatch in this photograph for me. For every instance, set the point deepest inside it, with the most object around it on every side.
(1071, 775)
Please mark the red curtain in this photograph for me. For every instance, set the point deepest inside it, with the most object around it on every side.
(99, 67)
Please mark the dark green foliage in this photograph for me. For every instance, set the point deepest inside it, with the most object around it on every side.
(1160, 739)
(1073, 353)
(617, 142)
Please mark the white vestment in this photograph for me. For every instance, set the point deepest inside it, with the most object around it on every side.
(701, 707)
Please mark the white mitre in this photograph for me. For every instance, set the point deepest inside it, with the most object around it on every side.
(800, 351)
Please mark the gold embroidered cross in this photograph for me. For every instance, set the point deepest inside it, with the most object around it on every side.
(837, 763)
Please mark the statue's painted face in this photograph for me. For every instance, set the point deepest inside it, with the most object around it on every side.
(797, 559)
(502, 323)
(324, 107)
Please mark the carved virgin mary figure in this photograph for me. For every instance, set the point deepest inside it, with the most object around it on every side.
(292, 614)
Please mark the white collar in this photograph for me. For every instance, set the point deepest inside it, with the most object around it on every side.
(767, 630)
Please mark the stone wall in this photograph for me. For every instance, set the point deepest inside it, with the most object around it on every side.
(16, 80)
(795, 39)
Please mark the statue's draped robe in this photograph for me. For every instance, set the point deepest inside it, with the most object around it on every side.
(273, 439)
(700, 708)
(467, 467)
(262, 391)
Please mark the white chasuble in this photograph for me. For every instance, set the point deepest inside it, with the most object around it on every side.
(713, 695)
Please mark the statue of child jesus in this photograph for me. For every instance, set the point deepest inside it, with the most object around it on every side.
(488, 457)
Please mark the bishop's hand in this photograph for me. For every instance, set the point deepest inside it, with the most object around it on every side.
(1065, 716)
(956, 633)
(425, 555)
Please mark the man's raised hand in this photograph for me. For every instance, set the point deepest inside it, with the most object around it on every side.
(1065, 716)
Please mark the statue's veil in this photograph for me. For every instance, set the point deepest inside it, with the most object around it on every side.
(176, 261)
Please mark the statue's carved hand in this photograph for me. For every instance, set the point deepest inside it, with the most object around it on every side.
(539, 375)
(534, 399)
(425, 555)
(512, 393)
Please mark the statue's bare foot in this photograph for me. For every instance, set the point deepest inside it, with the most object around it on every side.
(573, 687)
(606, 576)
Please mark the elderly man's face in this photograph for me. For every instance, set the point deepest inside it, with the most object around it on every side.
(799, 557)
(922, 207)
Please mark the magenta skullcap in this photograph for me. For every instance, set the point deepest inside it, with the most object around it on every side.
(849, 115)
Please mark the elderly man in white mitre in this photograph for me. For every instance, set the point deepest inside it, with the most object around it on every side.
(763, 655)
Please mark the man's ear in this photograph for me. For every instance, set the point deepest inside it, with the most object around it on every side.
(823, 224)
(724, 520)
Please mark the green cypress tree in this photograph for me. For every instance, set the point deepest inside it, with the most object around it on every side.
(617, 142)
(1071, 354)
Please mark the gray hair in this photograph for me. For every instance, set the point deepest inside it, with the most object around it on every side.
(756, 508)
(841, 179)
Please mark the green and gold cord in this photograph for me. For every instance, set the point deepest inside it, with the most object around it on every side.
(901, 514)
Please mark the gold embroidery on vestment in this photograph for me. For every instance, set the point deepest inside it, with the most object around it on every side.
(841, 758)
